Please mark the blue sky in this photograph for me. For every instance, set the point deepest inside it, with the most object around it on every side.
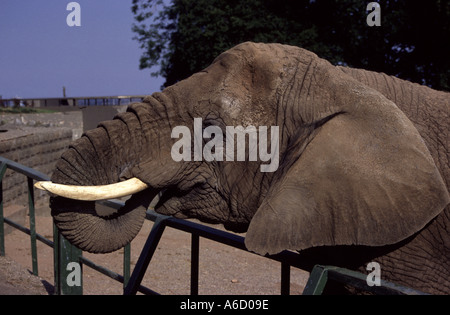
(40, 53)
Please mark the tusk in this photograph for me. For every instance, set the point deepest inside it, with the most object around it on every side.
(93, 193)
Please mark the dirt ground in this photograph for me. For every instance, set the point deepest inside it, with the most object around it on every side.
(223, 269)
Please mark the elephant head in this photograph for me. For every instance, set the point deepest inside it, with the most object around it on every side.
(352, 169)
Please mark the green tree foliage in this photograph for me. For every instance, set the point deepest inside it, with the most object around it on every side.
(184, 36)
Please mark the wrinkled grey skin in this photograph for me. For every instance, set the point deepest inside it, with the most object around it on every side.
(363, 172)
(425, 255)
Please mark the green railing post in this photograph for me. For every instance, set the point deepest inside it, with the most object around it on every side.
(3, 168)
(195, 251)
(32, 226)
(285, 279)
(67, 267)
(126, 264)
(56, 274)
(146, 255)
(317, 281)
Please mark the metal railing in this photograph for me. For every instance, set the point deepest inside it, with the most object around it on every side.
(287, 259)
(321, 275)
(31, 175)
(65, 253)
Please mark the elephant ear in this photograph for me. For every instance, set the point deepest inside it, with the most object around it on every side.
(366, 178)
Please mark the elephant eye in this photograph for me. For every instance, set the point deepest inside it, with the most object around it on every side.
(214, 121)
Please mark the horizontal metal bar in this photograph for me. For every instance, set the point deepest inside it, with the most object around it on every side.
(113, 275)
(101, 269)
(230, 239)
(29, 172)
(359, 281)
(207, 232)
(112, 203)
(27, 231)
(320, 275)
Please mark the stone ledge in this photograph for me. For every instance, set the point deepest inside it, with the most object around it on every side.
(37, 148)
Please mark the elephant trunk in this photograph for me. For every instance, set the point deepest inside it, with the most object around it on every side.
(81, 223)
(102, 156)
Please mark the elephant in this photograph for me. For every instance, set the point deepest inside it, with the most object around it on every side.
(362, 168)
